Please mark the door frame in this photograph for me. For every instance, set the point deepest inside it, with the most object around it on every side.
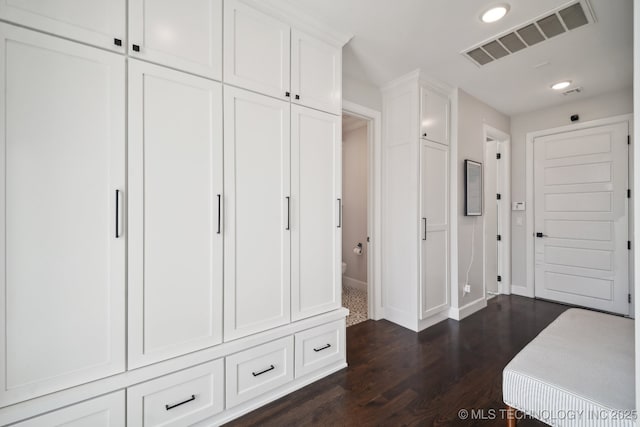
(503, 142)
(374, 203)
(529, 290)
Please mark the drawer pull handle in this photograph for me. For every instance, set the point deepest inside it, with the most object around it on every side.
(322, 348)
(270, 368)
(191, 399)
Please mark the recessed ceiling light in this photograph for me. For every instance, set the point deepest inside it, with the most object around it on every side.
(561, 85)
(495, 13)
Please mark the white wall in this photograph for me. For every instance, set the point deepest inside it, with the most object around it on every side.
(473, 114)
(354, 201)
(608, 105)
(361, 92)
(636, 200)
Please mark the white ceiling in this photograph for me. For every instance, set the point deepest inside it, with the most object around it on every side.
(394, 37)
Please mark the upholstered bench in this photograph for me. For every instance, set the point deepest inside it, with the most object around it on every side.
(578, 372)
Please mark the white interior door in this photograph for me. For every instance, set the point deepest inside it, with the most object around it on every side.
(581, 218)
(315, 193)
(257, 50)
(434, 248)
(175, 200)
(316, 73)
(96, 22)
(62, 291)
(185, 34)
(491, 218)
(257, 277)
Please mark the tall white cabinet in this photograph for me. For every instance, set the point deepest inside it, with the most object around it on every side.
(63, 221)
(175, 218)
(257, 213)
(170, 227)
(416, 208)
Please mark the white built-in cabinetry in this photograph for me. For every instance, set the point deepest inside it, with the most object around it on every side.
(146, 250)
(416, 209)
(182, 35)
(268, 56)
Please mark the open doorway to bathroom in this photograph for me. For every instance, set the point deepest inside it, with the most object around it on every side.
(355, 248)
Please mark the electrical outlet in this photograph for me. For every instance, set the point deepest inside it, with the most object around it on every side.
(467, 289)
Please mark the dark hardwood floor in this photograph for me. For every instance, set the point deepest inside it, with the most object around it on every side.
(397, 377)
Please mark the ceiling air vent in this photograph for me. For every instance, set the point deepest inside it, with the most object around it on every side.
(566, 18)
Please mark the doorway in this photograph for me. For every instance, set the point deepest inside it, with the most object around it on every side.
(581, 216)
(355, 250)
(497, 218)
(361, 183)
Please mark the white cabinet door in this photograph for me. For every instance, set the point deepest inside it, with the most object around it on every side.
(96, 22)
(185, 34)
(256, 50)
(434, 227)
(175, 235)
(316, 73)
(257, 238)
(315, 194)
(434, 116)
(62, 182)
(104, 411)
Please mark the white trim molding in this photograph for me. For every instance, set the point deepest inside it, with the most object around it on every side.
(374, 202)
(468, 309)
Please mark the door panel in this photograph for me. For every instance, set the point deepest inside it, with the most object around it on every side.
(256, 50)
(62, 194)
(175, 178)
(257, 237)
(186, 35)
(315, 190)
(434, 116)
(104, 411)
(316, 73)
(434, 248)
(581, 178)
(95, 22)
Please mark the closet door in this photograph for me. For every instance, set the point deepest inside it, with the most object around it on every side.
(315, 196)
(257, 223)
(256, 50)
(316, 73)
(185, 34)
(62, 291)
(434, 227)
(175, 202)
(434, 116)
(97, 22)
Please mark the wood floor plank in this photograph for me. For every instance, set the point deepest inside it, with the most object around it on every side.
(399, 377)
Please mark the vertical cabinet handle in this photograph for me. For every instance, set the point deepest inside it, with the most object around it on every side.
(424, 224)
(219, 213)
(118, 214)
(288, 212)
(339, 213)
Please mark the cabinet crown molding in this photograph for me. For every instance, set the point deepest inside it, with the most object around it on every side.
(287, 11)
(418, 76)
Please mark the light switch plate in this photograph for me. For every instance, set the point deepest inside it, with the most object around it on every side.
(518, 206)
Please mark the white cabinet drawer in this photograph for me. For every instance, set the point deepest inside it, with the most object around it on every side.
(320, 347)
(258, 370)
(104, 411)
(179, 399)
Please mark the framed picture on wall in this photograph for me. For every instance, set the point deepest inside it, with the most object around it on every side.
(472, 188)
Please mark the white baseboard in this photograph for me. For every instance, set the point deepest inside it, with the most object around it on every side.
(353, 283)
(522, 291)
(504, 289)
(467, 310)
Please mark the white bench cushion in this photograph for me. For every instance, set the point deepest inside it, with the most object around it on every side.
(581, 366)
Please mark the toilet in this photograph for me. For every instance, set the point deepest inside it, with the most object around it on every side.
(344, 267)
